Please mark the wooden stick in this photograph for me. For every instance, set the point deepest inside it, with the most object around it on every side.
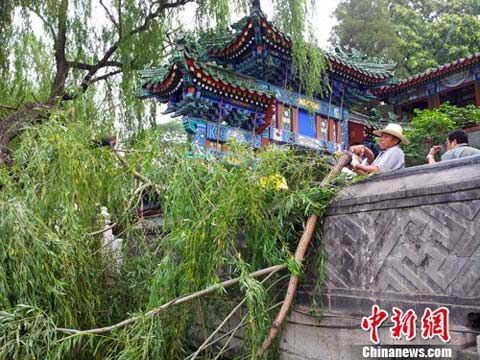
(177, 301)
(293, 283)
(344, 160)
(299, 255)
(110, 227)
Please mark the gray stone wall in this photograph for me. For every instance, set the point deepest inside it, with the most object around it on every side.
(474, 138)
(409, 239)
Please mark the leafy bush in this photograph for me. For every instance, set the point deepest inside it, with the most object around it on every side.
(463, 117)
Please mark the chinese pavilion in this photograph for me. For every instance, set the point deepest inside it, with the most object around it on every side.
(239, 85)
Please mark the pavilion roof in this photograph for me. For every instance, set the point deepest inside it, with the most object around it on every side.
(358, 66)
(165, 80)
(431, 74)
(352, 64)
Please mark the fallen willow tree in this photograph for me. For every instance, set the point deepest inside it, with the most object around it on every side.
(224, 220)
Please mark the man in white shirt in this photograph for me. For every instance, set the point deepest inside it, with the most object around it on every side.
(391, 156)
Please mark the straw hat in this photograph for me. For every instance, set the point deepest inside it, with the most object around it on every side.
(394, 130)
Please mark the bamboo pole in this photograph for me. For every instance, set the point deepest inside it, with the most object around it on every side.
(299, 255)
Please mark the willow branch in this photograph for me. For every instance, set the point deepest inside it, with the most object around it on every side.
(120, 23)
(84, 66)
(106, 76)
(105, 60)
(293, 283)
(61, 63)
(42, 18)
(98, 232)
(141, 28)
(8, 107)
(137, 175)
(232, 332)
(109, 14)
(180, 300)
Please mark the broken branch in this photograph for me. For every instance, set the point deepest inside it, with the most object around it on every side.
(180, 300)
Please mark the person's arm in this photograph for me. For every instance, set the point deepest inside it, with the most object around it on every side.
(369, 154)
(366, 169)
(431, 154)
(431, 159)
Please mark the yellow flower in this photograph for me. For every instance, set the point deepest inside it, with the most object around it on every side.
(275, 182)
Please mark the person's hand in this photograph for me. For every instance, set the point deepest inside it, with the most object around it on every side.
(431, 154)
(358, 149)
(435, 150)
(362, 150)
(354, 161)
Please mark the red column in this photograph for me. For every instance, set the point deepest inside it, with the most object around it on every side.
(437, 100)
(331, 130)
(295, 120)
(338, 128)
(280, 108)
(434, 101)
(318, 125)
(477, 93)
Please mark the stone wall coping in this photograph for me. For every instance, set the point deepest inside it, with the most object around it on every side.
(453, 180)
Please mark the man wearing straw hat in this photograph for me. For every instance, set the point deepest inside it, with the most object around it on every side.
(391, 156)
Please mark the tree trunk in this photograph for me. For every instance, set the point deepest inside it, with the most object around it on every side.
(30, 113)
(13, 124)
(62, 67)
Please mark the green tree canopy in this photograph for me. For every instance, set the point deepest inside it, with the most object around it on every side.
(416, 34)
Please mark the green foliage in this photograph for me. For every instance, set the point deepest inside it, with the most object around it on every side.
(308, 62)
(26, 320)
(463, 117)
(221, 220)
(360, 22)
(428, 128)
(416, 34)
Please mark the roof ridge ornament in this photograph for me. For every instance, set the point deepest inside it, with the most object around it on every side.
(256, 5)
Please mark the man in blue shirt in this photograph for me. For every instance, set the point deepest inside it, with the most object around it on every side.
(457, 147)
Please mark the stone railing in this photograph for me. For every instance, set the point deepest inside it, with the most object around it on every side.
(409, 239)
